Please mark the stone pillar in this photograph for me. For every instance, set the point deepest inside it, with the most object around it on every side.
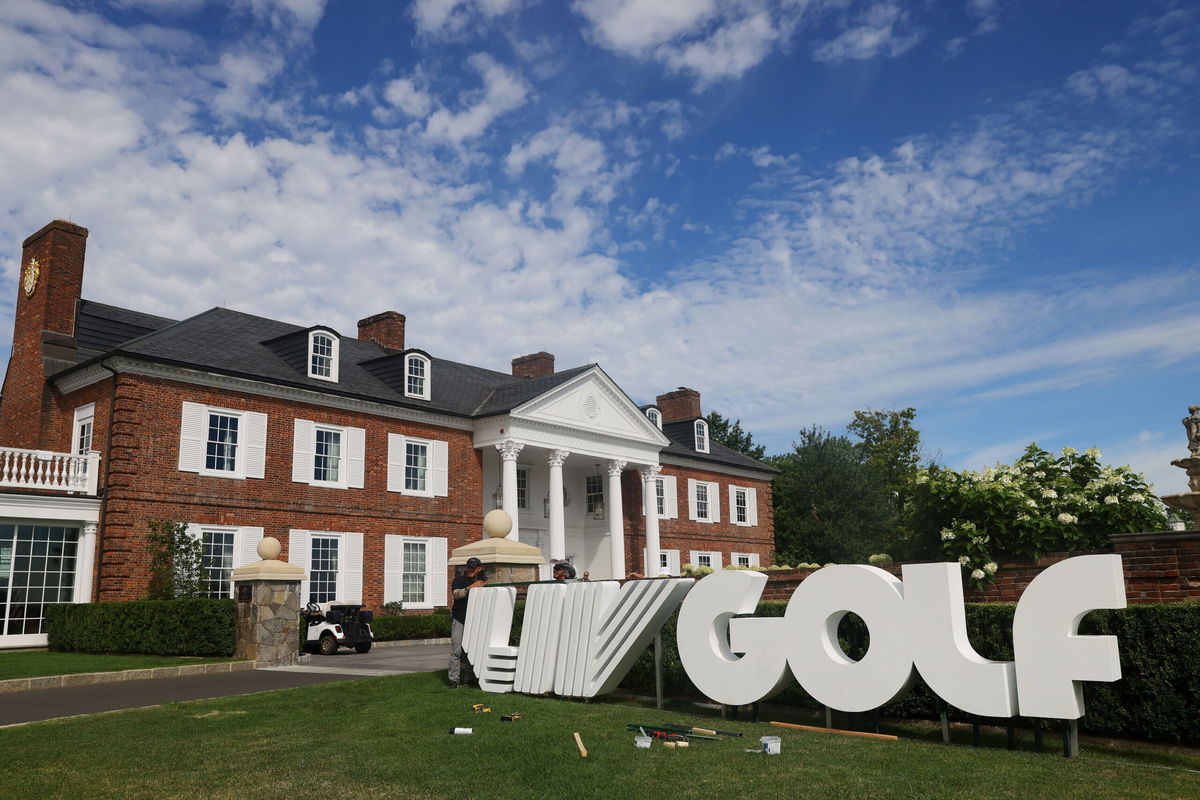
(86, 564)
(650, 506)
(558, 524)
(616, 520)
(268, 608)
(509, 450)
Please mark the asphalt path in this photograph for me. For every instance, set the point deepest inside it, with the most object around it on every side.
(35, 705)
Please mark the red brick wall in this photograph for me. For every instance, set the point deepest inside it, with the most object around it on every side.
(534, 365)
(386, 329)
(683, 534)
(145, 484)
(682, 403)
(1159, 568)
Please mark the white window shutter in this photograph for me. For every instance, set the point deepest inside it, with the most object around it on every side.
(692, 499)
(714, 501)
(733, 505)
(439, 463)
(752, 506)
(753, 559)
(395, 464)
(255, 444)
(300, 554)
(245, 550)
(357, 453)
(717, 561)
(646, 564)
(672, 561)
(670, 497)
(435, 575)
(192, 429)
(352, 543)
(303, 445)
(393, 567)
(694, 558)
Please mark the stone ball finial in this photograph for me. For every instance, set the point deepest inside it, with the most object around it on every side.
(497, 523)
(268, 548)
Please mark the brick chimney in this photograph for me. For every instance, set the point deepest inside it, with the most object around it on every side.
(48, 291)
(534, 365)
(683, 403)
(385, 329)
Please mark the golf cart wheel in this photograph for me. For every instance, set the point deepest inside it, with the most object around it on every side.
(328, 645)
(365, 647)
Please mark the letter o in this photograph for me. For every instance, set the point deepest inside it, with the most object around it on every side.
(814, 655)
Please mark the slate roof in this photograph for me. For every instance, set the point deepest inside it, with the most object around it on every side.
(234, 343)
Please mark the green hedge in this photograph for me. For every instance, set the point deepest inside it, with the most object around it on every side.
(191, 627)
(1155, 699)
(426, 626)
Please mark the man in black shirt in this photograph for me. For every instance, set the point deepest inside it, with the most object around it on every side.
(459, 589)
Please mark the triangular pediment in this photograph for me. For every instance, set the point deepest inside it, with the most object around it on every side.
(592, 402)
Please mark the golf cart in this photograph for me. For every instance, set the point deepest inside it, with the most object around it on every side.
(334, 625)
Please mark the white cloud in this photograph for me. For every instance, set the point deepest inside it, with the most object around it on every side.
(405, 95)
(883, 29)
(445, 18)
(503, 91)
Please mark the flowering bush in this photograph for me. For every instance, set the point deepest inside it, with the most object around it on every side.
(879, 558)
(1040, 504)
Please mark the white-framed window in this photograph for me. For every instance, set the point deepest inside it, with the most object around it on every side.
(333, 561)
(655, 416)
(706, 558)
(323, 355)
(417, 466)
(522, 488)
(743, 506)
(660, 497)
(704, 501)
(414, 570)
(594, 491)
(416, 376)
(222, 442)
(668, 561)
(701, 436)
(666, 498)
(328, 455)
(81, 430)
(223, 548)
(744, 559)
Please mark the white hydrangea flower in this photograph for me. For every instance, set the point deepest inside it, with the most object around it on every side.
(947, 535)
(1069, 451)
(1039, 474)
(1111, 500)
(963, 560)
(978, 575)
(1093, 452)
(979, 540)
(1137, 497)
(1031, 503)
(990, 568)
(1049, 494)
(922, 477)
(1067, 519)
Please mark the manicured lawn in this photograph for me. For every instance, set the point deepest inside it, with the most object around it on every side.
(388, 737)
(34, 665)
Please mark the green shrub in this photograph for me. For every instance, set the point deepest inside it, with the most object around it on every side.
(189, 627)
(425, 626)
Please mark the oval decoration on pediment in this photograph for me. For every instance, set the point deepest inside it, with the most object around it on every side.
(591, 407)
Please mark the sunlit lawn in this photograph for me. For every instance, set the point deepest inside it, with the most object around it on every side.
(37, 664)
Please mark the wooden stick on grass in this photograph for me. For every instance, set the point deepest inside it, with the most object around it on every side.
(793, 726)
(579, 744)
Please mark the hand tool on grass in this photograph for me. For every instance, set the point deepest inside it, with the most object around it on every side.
(793, 726)
(579, 744)
(691, 729)
(655, 730)
(510, 718)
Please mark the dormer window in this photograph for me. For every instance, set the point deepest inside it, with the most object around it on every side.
(701, 436)
(323, 356)
(416, 376)
(655, 417)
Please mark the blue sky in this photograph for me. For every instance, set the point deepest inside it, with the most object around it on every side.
(988, 209)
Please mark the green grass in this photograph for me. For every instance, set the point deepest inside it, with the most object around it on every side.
(36, 665)
(388, 737)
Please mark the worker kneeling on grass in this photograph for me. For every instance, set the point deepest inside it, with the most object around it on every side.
(459, 589)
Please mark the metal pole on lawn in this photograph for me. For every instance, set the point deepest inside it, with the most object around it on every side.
(658, 671)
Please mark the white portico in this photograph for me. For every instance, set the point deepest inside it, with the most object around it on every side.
(554, 463)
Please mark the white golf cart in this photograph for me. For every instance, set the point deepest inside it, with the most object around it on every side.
(334, 625)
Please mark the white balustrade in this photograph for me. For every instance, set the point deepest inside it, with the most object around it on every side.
(43, 469)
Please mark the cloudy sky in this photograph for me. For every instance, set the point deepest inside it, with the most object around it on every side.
(988, 209)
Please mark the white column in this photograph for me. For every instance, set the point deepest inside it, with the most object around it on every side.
(650, 505)
(509, 450)
(85, 563)
(616, 520)
(558, 524)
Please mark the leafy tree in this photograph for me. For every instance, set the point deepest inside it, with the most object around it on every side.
(730, 434)
(176, 561)
(829, 504)
(891, 448)
(1040, 504)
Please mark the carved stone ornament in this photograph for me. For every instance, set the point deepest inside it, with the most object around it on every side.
(616, 467)
(557, 457)
(1192, 424)
(651, 472)
(30, 281)
(509, 450)
(591, 407)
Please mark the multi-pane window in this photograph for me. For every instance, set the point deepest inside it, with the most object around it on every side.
(704, 559)
(413, 576)
(743, 559)
(37, 569)
(701, 501)
(81, 440)
(220, 453)
(664, 559)
(701, 436)
(416, 369)
(321, 365)
(522, 488)
(595, 492)
(660, 496)
(416, 466)
(217, 562)
(740, 506)
(655, 417)
(323, 572)
(327, 461)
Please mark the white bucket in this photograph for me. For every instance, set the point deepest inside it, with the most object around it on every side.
(770, 745)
